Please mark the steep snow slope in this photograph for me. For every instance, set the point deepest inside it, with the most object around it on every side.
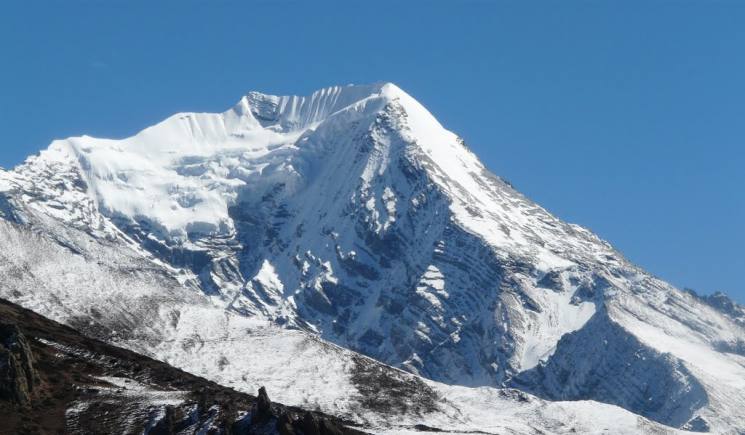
(353, 214)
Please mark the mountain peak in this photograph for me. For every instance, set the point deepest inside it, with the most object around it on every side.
(293, 112)
(183, 173)
(352, 213)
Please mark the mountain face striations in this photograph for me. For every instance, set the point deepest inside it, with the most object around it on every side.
(347, 238)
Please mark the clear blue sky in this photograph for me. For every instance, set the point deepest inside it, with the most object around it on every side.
(626, 117)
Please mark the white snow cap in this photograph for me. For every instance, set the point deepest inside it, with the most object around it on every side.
(181, 174)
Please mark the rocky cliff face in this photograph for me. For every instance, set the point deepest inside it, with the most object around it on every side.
(353, 215)
(18, 378)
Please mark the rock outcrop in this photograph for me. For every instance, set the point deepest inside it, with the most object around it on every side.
(266, 417)
(18, 378)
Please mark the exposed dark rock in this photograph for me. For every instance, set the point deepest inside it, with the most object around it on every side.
(309, 425)
(425, 428)
(263, 407)
(266, 418)
(166, 425)
(725, 305)
(551, 280)
(392, 392)
(18, 378)
(358, 268)
(737, 347)
(8, 211)
(319, 301)
(285, 425)
(47, 370)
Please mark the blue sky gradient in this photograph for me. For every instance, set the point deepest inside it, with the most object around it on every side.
(626, 117)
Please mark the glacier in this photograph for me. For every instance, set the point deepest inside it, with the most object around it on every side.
(299, 242)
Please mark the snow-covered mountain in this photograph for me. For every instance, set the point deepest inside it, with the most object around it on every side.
(283, 239)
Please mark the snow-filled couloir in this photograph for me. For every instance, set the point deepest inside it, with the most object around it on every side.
(353, 215)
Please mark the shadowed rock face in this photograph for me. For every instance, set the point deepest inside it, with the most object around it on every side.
(18, 378)
(392, 393)
(725, 305)
(604, 362)
(54, 380)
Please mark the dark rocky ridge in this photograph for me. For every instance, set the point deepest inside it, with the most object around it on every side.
(55, 380)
